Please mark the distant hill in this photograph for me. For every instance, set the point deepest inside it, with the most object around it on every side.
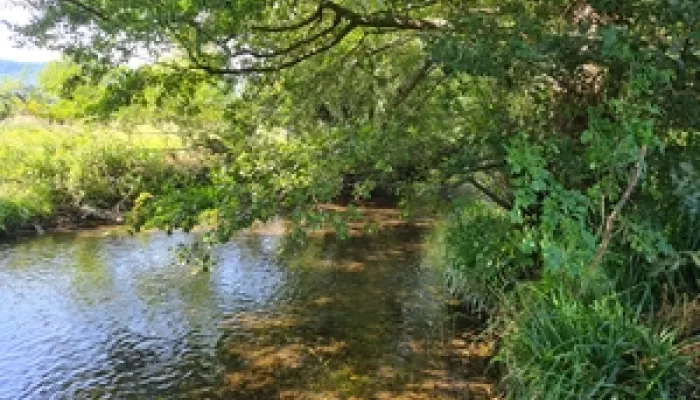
(18, 70)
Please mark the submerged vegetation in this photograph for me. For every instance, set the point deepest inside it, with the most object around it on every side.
(557, 141)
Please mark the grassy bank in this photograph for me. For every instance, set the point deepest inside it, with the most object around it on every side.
(562, 336)
(53, 174)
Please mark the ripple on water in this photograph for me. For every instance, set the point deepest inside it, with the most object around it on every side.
(113, 317)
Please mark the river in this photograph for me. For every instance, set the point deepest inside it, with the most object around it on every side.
(105, 315)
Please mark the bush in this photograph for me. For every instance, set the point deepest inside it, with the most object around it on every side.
(18, 207)
(653, 267)
(106, 174)
(558, 346)
(47, 170)
(476, 247)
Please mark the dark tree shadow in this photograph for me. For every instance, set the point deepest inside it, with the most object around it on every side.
(362, 320)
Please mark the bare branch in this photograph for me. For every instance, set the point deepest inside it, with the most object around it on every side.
(490, 194)
(610, 220)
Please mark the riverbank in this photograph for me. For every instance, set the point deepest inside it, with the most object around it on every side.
(77, 176)
(66, 178)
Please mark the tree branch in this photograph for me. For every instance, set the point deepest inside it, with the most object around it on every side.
(89, 9)
(485, 166)
(490, 194)
(405, 90)
(360, 20)
(610, 220)
(316, 16)
(384, 21)
(306, 41)
(312, 39)
(287, 64)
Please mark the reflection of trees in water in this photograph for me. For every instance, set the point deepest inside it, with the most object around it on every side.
(338, 319)
(159, 326)
(135, 365)
(35, 253)
(92, 279)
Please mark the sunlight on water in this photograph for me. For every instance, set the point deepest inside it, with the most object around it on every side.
(86, 316)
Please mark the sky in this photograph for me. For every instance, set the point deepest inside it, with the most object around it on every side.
(8, 49)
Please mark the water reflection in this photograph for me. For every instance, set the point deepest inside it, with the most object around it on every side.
(114, 317)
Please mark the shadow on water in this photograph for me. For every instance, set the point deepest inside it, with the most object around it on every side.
(114, 317)
(360, 319)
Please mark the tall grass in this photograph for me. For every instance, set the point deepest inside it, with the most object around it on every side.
(50, 170)
(477, 251)
(560, 346)
(562, 339)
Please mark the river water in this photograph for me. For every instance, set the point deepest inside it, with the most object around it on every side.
(103, 315)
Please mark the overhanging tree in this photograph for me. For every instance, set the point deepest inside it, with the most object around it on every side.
(578, 110)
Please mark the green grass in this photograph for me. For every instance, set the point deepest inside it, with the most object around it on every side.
(560, 338)
(50, 170)
(559, 346)
(476, 249)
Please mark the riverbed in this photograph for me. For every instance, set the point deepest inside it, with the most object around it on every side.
(101, 314)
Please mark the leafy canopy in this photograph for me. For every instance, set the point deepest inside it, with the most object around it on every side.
(573, 116)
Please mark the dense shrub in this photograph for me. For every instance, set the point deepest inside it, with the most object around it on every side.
(566, 336)
(19, 207)
(657, 260)
(477, 250)
(48, 170)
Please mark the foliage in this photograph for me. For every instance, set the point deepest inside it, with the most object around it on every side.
(12, 92)
(573, 117)
(540, 101)
(50, 170)
(186, 103)
(477, 248)
(563, 347)
(272, 175)
(197, 254)
(20, 205)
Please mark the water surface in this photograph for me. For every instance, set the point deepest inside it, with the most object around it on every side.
(110, 316)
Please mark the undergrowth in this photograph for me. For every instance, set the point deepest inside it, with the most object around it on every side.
(49, 171)
(476, 249)
(561, 346)
(627, 333)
